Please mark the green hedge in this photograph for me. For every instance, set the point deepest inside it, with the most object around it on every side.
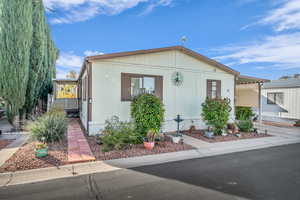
(147, 112)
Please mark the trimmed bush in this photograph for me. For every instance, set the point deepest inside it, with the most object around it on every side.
(243, 113)
(119, 135)
(51, 127)
(147, 112)
(245, 125)
(216, 113)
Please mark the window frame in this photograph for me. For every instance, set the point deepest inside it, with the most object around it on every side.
(218, 90)
(275, 102)
(126, 85)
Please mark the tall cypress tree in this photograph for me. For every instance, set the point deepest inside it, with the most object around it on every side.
(15, 44)
(38, 54)
(50, 70)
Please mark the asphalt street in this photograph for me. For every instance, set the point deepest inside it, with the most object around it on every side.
(272, 173)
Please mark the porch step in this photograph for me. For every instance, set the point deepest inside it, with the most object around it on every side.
(78, 148)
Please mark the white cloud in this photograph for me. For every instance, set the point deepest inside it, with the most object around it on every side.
(92, 53)
(281, 51)
(285, 17)
(69, 60)
(155, 4)
(82, 10)
(76, 15)
(61, 73)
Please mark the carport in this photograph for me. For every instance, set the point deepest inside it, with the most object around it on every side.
(248, 93)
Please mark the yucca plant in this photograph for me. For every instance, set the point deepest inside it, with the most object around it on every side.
(50, 127)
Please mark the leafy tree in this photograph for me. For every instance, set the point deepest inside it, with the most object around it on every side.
(147, 111)
(216, 113)
(16, 38)
(72, 74)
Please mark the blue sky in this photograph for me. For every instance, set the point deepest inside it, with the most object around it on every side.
(256, 37)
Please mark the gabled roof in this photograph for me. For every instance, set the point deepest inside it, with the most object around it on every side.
(179, 48)
(284, 83)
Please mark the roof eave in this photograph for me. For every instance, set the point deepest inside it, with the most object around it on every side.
(179, 48)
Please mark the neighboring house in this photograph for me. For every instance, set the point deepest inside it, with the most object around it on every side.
(180, 77)
(281, 99)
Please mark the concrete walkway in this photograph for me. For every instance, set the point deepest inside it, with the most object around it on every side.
(9, 150)
(5, 126)
(78, 148)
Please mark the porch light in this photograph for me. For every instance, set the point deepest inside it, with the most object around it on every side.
(178, 119)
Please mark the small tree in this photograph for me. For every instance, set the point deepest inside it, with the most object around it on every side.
(72, 74)
(216, 113)
(147, 111)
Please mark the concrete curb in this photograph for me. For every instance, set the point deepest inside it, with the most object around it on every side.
(43, 174)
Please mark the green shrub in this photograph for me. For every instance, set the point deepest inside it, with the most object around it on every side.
(297, 123)
(243, 113)
(147, 111)
(119, 135)
(245, 125)
(51, 127)
(216, 113)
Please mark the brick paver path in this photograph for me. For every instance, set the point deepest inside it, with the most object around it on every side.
(78, 148)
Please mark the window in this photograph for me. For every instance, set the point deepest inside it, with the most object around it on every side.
(213, 89)
(135, 84)
(142, 85)
(275, 98)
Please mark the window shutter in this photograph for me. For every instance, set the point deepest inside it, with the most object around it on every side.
(125, 87)
(208, 88)
(219, 89)
(159, 87)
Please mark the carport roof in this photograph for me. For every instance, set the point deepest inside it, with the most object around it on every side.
(242, 79)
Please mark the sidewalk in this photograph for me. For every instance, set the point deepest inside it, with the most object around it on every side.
(9, 150)
(281, 136)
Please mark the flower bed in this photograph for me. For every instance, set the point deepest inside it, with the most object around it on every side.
(25, 158)
(4, 143)
(199, 134)
(135, 150)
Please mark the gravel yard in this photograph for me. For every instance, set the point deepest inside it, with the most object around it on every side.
(199, 134)
(25, 159)
(135, 150)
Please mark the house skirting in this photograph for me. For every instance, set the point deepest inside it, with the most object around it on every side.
(168, 126)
